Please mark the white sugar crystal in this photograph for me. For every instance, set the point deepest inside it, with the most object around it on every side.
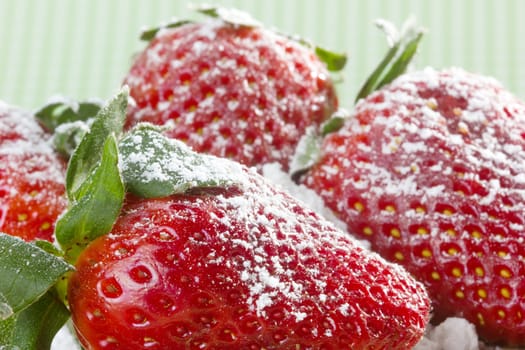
(64, 340)
(238, 17)
(344, 309)
(453, 334)
(277, 176)
(299, 316)
(209, 29)
(233, 104)
(198, 47)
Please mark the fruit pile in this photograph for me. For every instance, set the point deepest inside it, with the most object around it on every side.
(147, 220)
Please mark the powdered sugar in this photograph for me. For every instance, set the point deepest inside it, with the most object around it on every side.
(31, 172)
(20, 132)
(234, 96)
(437, 147)
(452, 334)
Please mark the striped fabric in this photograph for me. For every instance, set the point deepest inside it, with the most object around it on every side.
(83, 48)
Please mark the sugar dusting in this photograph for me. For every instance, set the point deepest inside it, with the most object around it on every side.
(19, 133)
(31, 176)
(477, 141)
(452, 334)
(276, 254)
(248, 97)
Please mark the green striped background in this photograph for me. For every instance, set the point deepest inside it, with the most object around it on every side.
(83, 48)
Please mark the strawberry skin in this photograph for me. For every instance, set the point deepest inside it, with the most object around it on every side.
(31, 177)
(430, 170)
(242, 267)
(233, 91)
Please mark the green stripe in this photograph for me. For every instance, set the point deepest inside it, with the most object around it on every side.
(83, 48)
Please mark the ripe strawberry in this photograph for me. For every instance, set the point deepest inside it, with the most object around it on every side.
(31, 177)
(430, 170)
(238, 267)
(233, 90)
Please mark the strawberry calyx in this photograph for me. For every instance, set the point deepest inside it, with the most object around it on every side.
(31, 312)
(227, 15)
(156, 166)
(68, 120)
(231, 16)
(334, 62)
(60, 111)
(403, 47)
(308, 149)
(105, 165)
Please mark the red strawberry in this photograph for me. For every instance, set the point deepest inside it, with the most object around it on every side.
(239, 267)
(431, 169)
(232, 90)
(31, 177)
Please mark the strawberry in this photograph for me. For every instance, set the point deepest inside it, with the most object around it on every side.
(430, 170)
(31, 177)
(232, 88)
(233, 264)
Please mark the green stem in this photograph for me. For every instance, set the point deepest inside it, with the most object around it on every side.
(394, 63)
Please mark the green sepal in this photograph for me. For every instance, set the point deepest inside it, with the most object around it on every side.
(308, 150)
(230, 16)
(109, 120)
(335, 62)
(150, 33)
(335, 122)
(26, 273)
(60, 287)
(395, 61)
(307, 153)
(399, 66)
(68, 136)
(48, 247)
(96, 205)
(156, 166)
(54, 114)
(34, 327)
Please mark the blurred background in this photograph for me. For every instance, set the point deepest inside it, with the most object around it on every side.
(83, 48)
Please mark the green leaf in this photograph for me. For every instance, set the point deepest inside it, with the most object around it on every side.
(334, 61)
(48, 247)
(373, 80)
(156, 166)
(68, 136)
(97, 205)
(307, 153)
(400, 65)
(308, 150)
(396, 60)
(57, 113)
(26, 273)
(34, 327)
(7, 327)
(109, 120)
(150, 33)
(335, 122)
